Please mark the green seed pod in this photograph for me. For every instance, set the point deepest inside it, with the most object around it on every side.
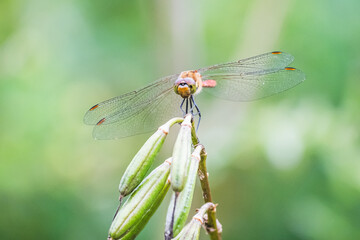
(181, 155)
(141, 224)
(143, 160)
(184, 200)
(140, 201)
(192, 230)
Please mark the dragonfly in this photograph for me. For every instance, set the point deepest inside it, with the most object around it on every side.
(145, 109)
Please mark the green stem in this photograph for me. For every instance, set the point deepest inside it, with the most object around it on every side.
(195, 140)
(175, 120)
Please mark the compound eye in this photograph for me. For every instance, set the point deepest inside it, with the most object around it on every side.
(192, 87)
(190, 81)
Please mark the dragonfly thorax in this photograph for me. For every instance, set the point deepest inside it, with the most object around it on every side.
(188, 83)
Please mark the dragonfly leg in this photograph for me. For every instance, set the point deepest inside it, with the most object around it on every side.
(187, 105)
(181, 106)
(191, 107)
(198, 112)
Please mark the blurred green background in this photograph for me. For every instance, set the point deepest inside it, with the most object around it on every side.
(285, 167)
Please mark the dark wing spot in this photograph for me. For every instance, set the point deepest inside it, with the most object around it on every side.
(101, 121)
(277, 52)
(93, 107)
(290, 68)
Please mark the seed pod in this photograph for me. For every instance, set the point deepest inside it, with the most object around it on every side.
(192, 230)
(138, 203)
(183, 203)
(143, 160)
(181, 155)
(141, 224)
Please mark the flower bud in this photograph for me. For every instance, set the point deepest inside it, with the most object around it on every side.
(132, 234)
(143, 160)
(183, 202)
(140, 201)
(192, 230)
(181, 155)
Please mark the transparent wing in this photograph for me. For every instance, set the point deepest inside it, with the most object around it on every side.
(253, 78)
(120, 107)
(135, 112)
(265, 62)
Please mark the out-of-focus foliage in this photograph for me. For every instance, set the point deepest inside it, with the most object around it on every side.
(285, 167)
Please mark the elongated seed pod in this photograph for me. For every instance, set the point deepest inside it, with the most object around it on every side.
(192, 230)
(141, 224)
(140, 200)
(181, 155)
(184, 200)
(144, 158)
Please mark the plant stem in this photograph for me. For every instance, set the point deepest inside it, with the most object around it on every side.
(195, 140)
(169, 232)
(212, 227)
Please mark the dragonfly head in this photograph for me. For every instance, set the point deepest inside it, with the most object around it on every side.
(185, 87)
(188, 83)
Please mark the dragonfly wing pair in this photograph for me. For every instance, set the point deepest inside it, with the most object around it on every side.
(253, 78)
(146, 109)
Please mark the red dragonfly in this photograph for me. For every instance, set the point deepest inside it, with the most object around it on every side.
(145, 109)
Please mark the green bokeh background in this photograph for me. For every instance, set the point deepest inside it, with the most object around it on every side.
(285, 167)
